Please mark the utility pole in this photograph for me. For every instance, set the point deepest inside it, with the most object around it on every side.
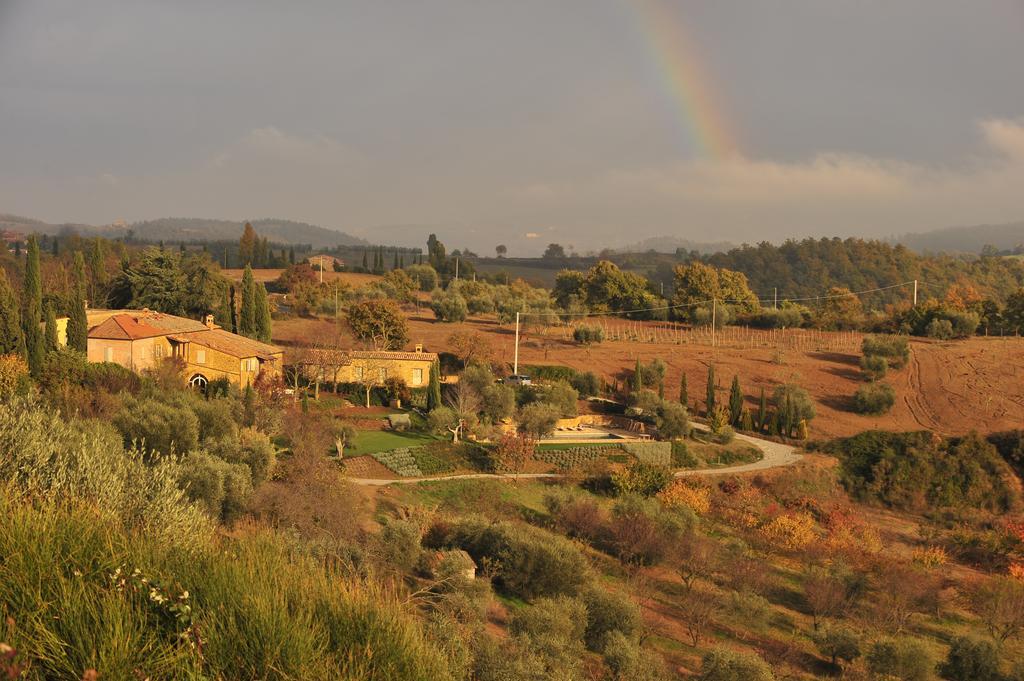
(321, 269)
(915, 293)
(456, 269)
(775, 295)
(335, 298)
(515, 362)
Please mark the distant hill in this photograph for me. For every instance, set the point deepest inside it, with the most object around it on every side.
(964, 239)
(197, 229)
(670, 244)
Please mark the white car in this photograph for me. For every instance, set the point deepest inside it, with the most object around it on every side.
(519, 379)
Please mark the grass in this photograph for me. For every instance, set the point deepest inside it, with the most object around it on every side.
(260, 608)
(559, 446)
(371, 441)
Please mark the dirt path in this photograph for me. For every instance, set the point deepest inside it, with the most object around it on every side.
(774, 455)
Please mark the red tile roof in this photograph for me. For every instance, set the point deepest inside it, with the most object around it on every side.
(124, 327)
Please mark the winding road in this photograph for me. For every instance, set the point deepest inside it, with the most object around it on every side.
(774, 455)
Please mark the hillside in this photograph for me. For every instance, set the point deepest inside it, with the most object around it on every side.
(197, 229)
(970, 239)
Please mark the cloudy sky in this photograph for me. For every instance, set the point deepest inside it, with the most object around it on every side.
(587, 122)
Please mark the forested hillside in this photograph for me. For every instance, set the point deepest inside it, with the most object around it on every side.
(809, 267)
(966, 239)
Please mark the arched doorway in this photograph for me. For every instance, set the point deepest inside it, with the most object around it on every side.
(198, 382)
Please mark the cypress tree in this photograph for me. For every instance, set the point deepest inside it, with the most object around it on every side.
(291, 255)
(78, 326)
(247, 319)
(638, 377)
(262, 314)
(50, 338)
(434, 387)
(394, 265)
(684, 397)
(32, 312)
(735, 402)
(56, 247)
(711, 389)
(233, 308)
(762, 411)
(12, 336)
(365, 266)
(401, 262)
(661, 388)
(223, 314)
(97, 272)
(17, 249)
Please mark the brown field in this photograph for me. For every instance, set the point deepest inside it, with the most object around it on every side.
(948, 387)
(353, 278)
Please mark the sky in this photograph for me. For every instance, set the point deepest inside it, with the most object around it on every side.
(590, 123)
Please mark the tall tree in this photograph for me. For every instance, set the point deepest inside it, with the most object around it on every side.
(247, 318)
(32, 312)
(394, 265)
(735, 402)
(710, 399)
(97, 274)
(78, 326)
(434, 387)
(233, 307)
(366, 263)
(762, 411)
(247, 245)
(12, 336)
(684, 397)
(291, 255)
(50, 341)
(262, 313)
(225, 311)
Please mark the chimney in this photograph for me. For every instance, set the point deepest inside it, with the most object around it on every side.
(208, 320)
(419, 347)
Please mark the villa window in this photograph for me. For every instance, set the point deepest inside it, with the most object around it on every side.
(108, 354)
(417, 376)
(200, 356)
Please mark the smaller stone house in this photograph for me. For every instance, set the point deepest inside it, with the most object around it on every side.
(358, 366)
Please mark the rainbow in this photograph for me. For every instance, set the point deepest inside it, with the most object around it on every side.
(680, 68)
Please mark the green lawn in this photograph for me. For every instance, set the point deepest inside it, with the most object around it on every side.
(370, 441)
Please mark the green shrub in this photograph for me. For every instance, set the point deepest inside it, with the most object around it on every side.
(549, 372)
(448, 306)
(722, 436)
(563, 396)
(971, 659)
(727, 665)
(895, 349)
(587, 384)
(903, 658)
(587, 334)
(552, 628)
(157, 426)
(572, 458)
(429, 463)
(538, 418)
(627, 661)
(749, 607)
(608, 612)
(874, 399)
(672, 421)
(682, 457)
(216, 419)
(398, 544)
(941, 329)
(53, 458)
(918, 471)
(837, 643)
(642, 479)
(873, 367)
(223, 488)
(529, 562)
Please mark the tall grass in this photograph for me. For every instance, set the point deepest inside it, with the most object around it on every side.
(260, 607)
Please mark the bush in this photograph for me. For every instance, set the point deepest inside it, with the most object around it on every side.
(499, 402)
(672, 421)
(529, 562)
(727, 665)
(552, 628)
(903, 658)
(874, 399)
(223, 488)
(587, 335)
(448, 306)
(722, 436)
(641, 532)
(629, 662)
(14, 378)
(971, 659)
(538, 418)
(563, 396)
(587, 384)
(895, 349)
(60, 459)
(941, 329)
(398, 544)
(157, 426)
(837, 643)
(682, 457)
(571, 458)
(608, 612)
(641, 479)
(425, 277)
(873, 367)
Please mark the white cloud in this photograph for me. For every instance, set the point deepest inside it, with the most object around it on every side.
(1005, 136)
